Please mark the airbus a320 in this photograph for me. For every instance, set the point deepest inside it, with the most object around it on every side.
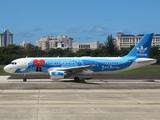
(63, 67)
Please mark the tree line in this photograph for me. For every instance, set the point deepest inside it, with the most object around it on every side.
(11, 52)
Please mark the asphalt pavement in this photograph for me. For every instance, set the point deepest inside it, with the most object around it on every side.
(93, 99)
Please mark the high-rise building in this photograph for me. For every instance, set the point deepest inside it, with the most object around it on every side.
(6, 38)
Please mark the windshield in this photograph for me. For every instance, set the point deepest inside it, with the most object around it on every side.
(13, 63)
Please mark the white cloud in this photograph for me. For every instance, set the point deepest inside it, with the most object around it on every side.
(98, 29)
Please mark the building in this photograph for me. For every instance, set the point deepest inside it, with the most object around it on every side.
(125, 41)
(49, 42)
(24, 44)
(6, 38)
(93, 46)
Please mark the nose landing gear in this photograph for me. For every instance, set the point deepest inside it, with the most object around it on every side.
(25, 78)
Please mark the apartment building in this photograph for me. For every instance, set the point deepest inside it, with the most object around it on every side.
(126, 40)
(49, 42)
(6, 38)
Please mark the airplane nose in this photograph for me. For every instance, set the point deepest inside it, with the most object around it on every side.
(7, 69)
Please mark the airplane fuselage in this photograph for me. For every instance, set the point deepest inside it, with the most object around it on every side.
(97, 64)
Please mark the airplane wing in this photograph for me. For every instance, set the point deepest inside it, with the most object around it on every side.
(59, 73)
(73, 69)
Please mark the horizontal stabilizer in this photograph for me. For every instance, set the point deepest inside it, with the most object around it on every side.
(146, 60)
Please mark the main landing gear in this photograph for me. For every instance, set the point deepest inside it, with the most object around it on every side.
(25, 78)
(76, 79)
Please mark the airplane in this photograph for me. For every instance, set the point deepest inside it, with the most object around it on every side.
(63, 67)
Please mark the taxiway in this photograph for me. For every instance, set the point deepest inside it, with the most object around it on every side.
(97, 99)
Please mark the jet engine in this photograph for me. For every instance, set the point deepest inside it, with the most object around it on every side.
(57, 75)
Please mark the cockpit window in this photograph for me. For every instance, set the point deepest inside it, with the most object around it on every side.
(13, 63)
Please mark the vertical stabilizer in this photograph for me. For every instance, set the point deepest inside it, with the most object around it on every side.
(142, 49)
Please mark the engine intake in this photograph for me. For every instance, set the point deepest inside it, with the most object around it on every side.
(56, 75)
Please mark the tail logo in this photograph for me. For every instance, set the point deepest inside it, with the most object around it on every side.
(141, 51)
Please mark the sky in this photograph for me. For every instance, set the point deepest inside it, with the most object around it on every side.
(84, 20)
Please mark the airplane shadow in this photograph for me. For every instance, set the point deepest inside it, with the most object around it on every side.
(39, 79)
(81, 81)
(29, 77)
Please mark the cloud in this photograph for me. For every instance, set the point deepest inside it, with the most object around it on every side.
(37, 29)
(95, 29)
(98, 29)
(25, 34)
(76, 30)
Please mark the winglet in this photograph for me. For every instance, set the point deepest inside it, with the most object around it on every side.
(142, 49)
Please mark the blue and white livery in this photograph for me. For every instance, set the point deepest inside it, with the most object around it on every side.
(62, 67)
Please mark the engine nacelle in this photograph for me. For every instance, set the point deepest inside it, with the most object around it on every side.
(56, 74)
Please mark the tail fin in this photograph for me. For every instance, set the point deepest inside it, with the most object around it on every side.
(142, 49)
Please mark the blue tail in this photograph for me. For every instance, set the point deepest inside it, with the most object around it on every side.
(142, 49)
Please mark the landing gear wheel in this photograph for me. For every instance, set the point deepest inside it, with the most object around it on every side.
(76, 79)
(24, 79)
